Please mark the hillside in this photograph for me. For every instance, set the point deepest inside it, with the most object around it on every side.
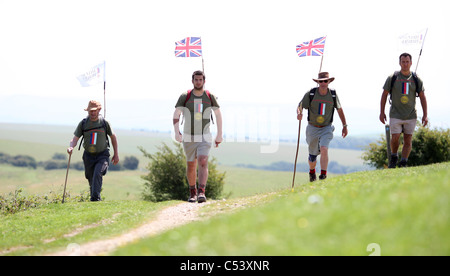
(397, 212)
(384, 212)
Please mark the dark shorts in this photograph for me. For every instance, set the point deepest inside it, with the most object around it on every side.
(95, 167)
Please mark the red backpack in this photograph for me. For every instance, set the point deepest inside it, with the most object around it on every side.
(189, 93)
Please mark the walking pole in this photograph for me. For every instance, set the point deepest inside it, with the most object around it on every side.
(388, 143)
(67, 174)
(296, 153)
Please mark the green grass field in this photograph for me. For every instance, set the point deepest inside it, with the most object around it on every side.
(402, 211)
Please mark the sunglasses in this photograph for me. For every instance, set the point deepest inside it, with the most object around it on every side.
(323, 81)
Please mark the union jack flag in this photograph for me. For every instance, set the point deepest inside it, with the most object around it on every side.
(311, 48)
(188, 47)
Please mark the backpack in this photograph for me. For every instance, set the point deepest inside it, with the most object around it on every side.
(189, 93)
(83, 130)
(394, 78)
(312, 93)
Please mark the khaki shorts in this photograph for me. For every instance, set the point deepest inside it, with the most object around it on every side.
(399, 126)
(318, 137)
(195, 149)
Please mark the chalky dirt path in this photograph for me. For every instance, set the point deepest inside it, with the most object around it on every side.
(168, 218)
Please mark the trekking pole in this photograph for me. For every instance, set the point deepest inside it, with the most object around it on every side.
(388, 143)
(296, 153)
(67, 174)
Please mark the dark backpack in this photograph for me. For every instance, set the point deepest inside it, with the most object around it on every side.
(83, 130)
(312, 93)
(394, 78)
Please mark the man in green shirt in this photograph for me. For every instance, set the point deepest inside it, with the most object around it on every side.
(403, 87)
(196, 106)
(95, 130)
(320, 103)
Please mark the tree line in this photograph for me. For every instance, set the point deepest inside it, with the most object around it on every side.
(59, 161)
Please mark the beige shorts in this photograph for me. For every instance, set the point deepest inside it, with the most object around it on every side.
(398, 126)
(194, 149)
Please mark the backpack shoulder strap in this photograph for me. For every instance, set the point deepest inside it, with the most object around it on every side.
(394, 78)
(312, 93)
(416, 80)
(333, 94)
(189, 92)
(105, 128)
(83, 127)
(209, 95)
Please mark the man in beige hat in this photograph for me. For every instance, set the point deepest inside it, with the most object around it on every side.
(95, 130)
(320, 102)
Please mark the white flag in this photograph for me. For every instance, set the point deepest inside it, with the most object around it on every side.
(412, 41)
(93, 76)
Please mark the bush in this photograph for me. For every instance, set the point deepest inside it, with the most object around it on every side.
(130, 163)
(4, 158)
(428, 146)
(15, 202)
(79, 166)
(23, 161)
(54, 165)
(167, 176)
(59, 156)
(113, 168)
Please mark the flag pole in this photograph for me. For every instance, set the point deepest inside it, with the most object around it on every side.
(321, 61)
(104, 98)
(203, 65)
(203, 61)
(421, 48)
(104, 88)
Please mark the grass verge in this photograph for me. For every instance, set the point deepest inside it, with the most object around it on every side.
(55, 226)
(401, 211)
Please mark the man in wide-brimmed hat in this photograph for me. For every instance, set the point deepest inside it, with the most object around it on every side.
(95, 130)
(320, 102)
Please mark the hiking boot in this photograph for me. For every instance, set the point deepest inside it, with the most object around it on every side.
(322, 176)
(312, 177)
(402, 164)
(393, 163)
(201, 196)
(193, 196)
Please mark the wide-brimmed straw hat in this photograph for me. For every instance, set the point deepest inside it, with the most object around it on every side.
(324, 76)
(93, 105)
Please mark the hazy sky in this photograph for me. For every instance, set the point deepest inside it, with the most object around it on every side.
(248, 48)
